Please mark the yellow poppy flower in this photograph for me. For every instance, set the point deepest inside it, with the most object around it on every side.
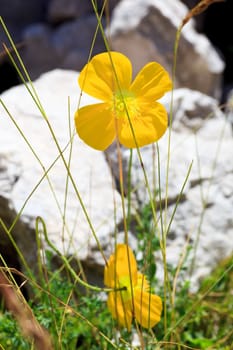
(132, 298)
(108, 77)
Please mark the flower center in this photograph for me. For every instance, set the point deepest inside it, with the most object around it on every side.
(124, 282)
(124, 104)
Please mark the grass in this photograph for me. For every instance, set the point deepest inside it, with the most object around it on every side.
(77, 320)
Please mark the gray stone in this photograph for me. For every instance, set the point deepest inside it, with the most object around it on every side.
(145, 30)
(53, 34)
(18, 14)
(67, 46)
(142, 29)
(65, 10)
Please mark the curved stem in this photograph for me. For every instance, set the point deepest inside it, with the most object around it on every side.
(77, 279)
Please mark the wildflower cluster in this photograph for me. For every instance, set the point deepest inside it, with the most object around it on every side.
(128, 112)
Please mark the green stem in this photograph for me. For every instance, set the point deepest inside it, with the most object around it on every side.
(39, 220)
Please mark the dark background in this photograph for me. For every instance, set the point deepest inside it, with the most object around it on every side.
(216, 22)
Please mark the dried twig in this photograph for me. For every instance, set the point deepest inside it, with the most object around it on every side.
(19, 308)
(199, 8)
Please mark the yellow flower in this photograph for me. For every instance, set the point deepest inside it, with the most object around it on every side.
(99, 124)
(133, 300)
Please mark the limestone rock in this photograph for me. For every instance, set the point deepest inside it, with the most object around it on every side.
(201, 136)
(25, 189)
(229, 107)
(145, 30)
(190, 109)
(193, 112)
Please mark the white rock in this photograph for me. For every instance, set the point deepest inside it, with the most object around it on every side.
(202, 137)
(204, 214)
(21, 172)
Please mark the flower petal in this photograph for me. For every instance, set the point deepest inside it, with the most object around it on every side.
(95, 125)
(122, 312)
(149, 126)
(142, 282)
(151, 82)
(121, 263)
(97, 78)
(147, 308)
